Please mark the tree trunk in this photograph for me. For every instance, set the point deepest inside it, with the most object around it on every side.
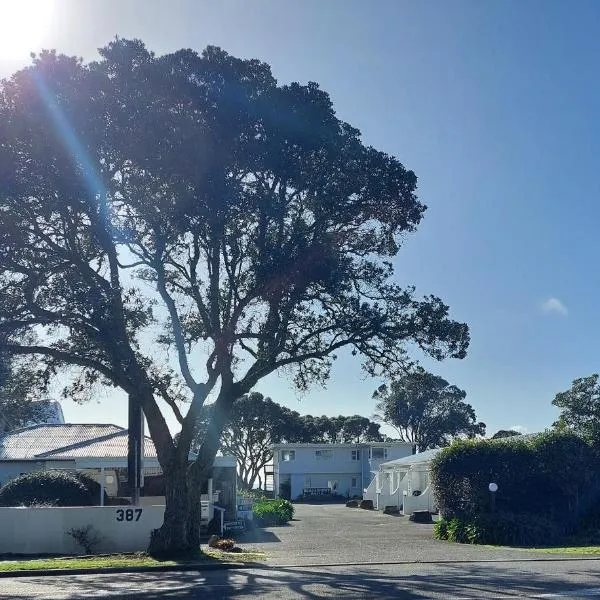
(197, 480)
(171, 539)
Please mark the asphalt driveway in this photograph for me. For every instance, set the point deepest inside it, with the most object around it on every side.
(334, 534)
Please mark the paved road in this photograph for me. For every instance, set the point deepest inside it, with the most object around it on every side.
(329, 534)
(459, 581)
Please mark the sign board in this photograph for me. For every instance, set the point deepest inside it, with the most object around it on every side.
(244, 507)
(237, 525)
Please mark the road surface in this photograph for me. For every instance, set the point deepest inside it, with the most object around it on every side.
(453, 581)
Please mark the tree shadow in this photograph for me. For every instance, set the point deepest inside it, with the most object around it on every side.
(256, 536)
(467, 581)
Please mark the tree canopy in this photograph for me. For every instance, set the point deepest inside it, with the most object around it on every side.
(189, 204)
(504, 433)
(580, 408)
(19, 394)
(426, 410)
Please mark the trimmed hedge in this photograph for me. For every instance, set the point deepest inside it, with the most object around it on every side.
(51, 488)
(549, 473)
(272, 512)
(503, 529)
(545, 484)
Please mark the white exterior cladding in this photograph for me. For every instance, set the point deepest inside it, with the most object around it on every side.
(346, 469)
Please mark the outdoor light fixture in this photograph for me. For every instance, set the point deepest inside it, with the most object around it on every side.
(493, 487)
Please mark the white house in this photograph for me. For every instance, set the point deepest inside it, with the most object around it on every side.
(404, 483)
(317, 469)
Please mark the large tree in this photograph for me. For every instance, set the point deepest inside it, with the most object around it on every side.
(255, 424)
(580, 408)
(188, 202)
(426, 410)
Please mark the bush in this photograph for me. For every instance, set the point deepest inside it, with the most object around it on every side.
(56, 488)
(550, 474)
(272, 512)
(502, 529)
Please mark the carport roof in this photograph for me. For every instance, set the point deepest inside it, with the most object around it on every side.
(413, 459)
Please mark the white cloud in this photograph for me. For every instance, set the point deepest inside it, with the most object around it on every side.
(554, 305)
(520, 428)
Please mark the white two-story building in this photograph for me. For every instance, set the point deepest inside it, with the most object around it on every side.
(317, 469)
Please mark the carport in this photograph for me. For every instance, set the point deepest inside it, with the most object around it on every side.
(404, 483)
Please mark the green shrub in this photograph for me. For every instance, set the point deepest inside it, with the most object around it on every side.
(440, 529)
(92, 486)
(502, 529)
(550, 474)
(272, 512)
(56, 488)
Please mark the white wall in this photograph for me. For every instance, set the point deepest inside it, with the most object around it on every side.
(45, 530)
(340, 460)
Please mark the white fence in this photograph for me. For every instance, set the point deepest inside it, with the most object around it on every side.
(46, 530)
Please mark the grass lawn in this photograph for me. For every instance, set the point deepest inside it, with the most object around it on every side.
(209, 556)
(589, 550)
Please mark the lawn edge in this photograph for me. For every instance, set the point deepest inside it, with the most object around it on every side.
(195, 566)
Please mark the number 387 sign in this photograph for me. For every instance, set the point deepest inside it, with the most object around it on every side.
(128, 514)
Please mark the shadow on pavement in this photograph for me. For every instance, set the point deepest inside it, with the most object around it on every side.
(256, 536)
(459, 580)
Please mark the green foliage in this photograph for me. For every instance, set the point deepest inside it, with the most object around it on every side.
(190, 193)
(273, 512)
(426, 410)
(58, 488)
(548, 474)
(501, 528)
(504, 433)
(545, 484)
(20, 385)
(580, 408)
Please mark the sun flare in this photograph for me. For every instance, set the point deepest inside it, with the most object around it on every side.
(23, 25)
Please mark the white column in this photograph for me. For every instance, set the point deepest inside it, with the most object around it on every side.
(210, 489)
(102, 480)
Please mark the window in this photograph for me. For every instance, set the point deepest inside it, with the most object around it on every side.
(378, 453)
(287, 455)
(354, 482)
(323, 454)
(355, 454)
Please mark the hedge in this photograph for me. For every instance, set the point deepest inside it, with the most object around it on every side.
(545, 484)
(504, 529)
(54, 488)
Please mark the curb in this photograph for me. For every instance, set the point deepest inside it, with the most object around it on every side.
(115, 570)
(225, 566)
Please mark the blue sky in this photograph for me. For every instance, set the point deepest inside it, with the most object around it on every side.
(493, 105)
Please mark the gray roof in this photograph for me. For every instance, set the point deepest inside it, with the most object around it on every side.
(31, 442)
(413, 459)
(111, 446)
